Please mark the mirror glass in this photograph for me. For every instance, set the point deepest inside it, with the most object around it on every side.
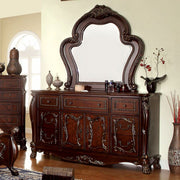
(101, 56)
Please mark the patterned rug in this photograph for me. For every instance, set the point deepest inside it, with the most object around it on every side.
(5, 174)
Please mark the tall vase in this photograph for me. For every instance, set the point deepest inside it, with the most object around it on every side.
(49, 80)
(14, 68)
(174, 150)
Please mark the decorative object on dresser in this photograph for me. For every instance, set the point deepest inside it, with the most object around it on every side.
(2, 68)
(14, 68)
(98, 127)
(49, 80)
(151, 83)
(12, 106)
(57, 83)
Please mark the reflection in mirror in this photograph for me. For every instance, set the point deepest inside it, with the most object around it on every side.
(101, 56)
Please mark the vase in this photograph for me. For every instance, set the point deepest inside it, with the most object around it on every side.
(2, 68)
(14, 68)
(174, 150)
(49, 80)
(57, 83)
(151, 83)
(151, 86)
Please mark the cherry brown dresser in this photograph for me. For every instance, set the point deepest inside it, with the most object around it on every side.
(97, 126)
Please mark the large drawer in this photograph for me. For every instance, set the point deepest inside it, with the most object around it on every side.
(10, 83)
(9, 120)
(85, 103)
(125, 105)
(49, 101)
(10, 108)
(10, 95)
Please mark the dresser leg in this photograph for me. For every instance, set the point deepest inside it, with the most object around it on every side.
(23, 144)
(33, 149)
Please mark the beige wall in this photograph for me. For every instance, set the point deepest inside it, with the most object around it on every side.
(156, 22)
(9, 8)
(9, 27)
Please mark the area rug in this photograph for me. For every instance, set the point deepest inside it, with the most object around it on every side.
(5, 174)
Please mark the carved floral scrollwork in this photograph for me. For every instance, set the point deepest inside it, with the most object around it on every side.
(118, 146)
(49, 118)
(145, 107)
(78, 129)
(100, 12)
(90, 131)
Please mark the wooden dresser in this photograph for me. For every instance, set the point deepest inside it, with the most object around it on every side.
(12, 106)
(96, 127)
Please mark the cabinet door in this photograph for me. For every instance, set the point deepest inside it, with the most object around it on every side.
(72, 130)
(125, 135)
(97, 136)
(48, 127)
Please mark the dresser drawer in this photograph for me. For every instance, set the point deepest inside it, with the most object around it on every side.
(9, 120)
(49, 101)
(12, 83)
(10, 95)
(10, 108)
(128, 105)
(84, 103)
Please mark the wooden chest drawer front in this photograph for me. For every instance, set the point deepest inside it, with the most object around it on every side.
(50, 101)
(128, 106)
(10, 95)
(85, 103)
(9, 108)
(10, 83)
(9, 119)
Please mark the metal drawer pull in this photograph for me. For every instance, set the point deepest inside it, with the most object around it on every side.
(99, 105)
(124, 105)
(48, 101)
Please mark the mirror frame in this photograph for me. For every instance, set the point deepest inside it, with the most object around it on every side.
(99, 15)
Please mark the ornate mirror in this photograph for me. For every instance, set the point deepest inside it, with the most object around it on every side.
(101, 48)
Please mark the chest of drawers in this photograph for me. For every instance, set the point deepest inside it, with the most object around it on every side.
(96, 127)
(12, 106)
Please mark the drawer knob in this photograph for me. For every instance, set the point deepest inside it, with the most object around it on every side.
(124, 105)
(99, 105)
(48, 101)
(70, 103)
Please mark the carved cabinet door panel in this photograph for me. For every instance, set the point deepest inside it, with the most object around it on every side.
(97, 134)
(49, 127)
(125, 135)
(72, 130)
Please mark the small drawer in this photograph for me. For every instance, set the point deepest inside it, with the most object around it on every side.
(10, 95)
(128, 106)
(85, 103)
(50, 101)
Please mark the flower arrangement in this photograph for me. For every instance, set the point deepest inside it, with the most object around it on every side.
(158, 59)
(174, 104)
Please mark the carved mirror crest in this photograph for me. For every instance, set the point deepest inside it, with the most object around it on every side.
(101, 48)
